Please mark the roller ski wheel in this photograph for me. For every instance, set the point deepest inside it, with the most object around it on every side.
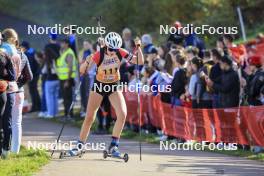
(126, 157)
(106, 154)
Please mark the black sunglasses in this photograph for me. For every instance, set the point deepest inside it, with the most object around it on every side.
(111, 49)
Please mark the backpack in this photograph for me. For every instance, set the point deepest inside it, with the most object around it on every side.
(3, 83)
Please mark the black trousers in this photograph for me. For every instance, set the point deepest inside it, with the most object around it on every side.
(67, 95)
(34, 94)
(3, 100)
(204, 104)
(7, 120)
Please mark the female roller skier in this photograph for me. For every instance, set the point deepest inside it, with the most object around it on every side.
(108, 61)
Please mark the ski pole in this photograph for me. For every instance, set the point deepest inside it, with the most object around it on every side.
(68, 112)
(99, 19)
(138, 109)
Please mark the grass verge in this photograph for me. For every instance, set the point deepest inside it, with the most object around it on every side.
(241, 153)
(149, 138)
(27, 162)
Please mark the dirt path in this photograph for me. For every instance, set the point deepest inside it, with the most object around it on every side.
(155, 162)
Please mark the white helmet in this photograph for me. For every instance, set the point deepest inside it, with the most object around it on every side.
(113, 40)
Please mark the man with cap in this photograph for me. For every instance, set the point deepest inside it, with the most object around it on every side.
(229, 87)
(255, 80)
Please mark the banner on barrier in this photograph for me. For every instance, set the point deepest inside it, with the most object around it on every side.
(213, 125)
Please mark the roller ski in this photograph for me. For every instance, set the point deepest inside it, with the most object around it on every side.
(113, 152)
(71, 153)
(76, 152)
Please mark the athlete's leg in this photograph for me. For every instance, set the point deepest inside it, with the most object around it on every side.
(118, 102)
(94, 102)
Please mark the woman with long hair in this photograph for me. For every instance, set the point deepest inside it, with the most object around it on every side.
(25, 76)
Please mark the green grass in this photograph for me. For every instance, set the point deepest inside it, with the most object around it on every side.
(149, 138)
(241, 153)
(27, 162)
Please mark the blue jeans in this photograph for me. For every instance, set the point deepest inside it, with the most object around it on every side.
(52, 96)
(7, 120)
(216, 101)
(43, 98)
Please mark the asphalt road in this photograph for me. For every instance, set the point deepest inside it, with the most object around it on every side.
(155, 162)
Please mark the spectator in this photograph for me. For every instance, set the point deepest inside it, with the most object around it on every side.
(255, 81)
(85, 86)
(215, 75)
(195, 85)
(165, 77)
(25, 76)
(179, 78)
(155, 65)
(9, 46)
(67, 72)
(51, 53)
(33, 91)
(154, 60)
(147, 43)
(204, 73)
(229, 88)
(191, 52)
(128, 42)
(43, 106)
(7, 73)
